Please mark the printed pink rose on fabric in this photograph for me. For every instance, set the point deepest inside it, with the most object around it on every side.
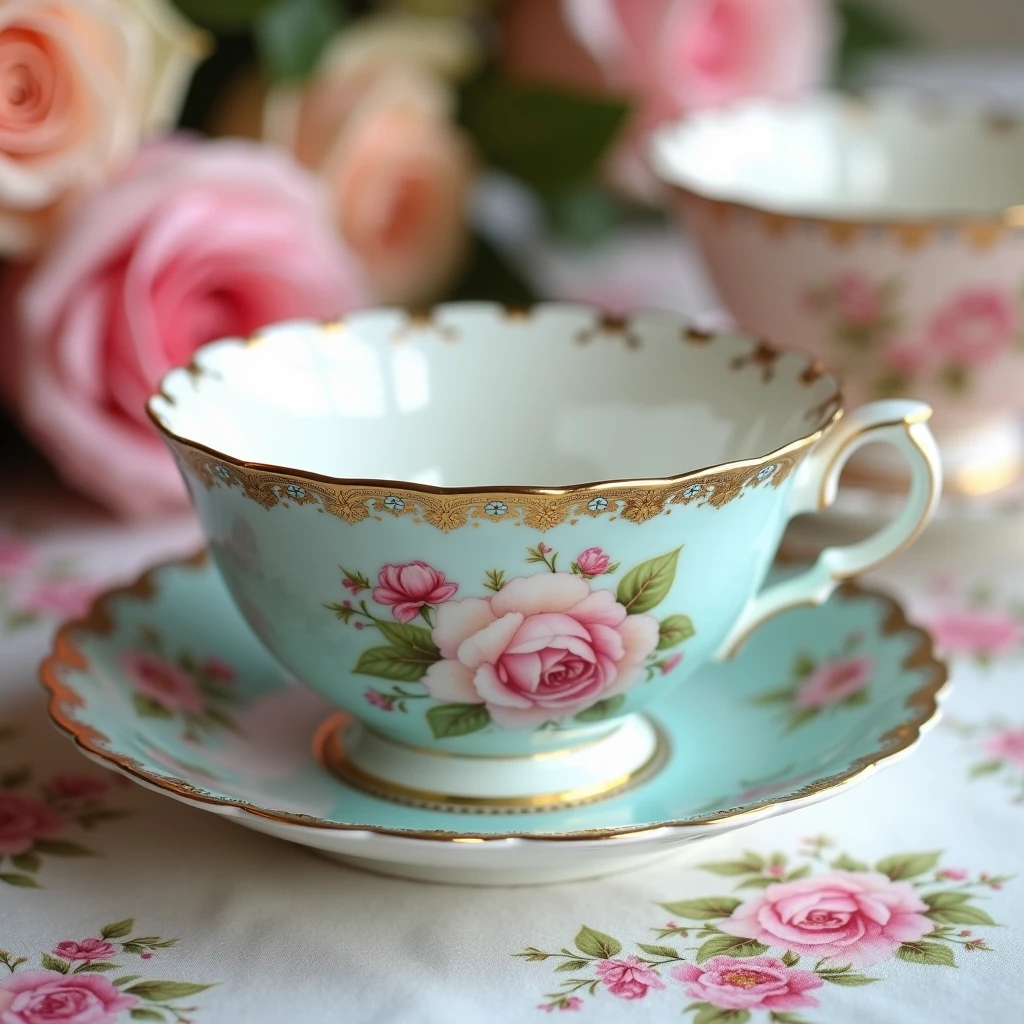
(408, 588)
(835, 681)
(859, 918)
(76, 787)
(753, 982)
(628, 978)
(974, 327)
(1006, 745)
(23, 821)
(544, 647)
(977, 632)
(15, 557)
(857, 299)
(46, 997)
(165, 683)
(593, 562)
(66, 598)
(88, 950)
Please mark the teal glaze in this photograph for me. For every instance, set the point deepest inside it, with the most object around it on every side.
(734, 744)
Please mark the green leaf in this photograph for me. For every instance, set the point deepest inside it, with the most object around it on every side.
(846, 863)
(921, 952)
(165, 991)
(781, 1017)
(21, 881)
(225, 15)
(93, 968)
(804, 665)
(54, 963)
(659, 950)
(644, 587)
(985, 768)
(397, 664)
(908, 865)
(866, 28)
(729, 945)
(27, 861)
(801, 872)
(850, 980)
(601, 710)
(790, 959)
(734, 867)
(782, 695)
(572, 965)
(757, 883)
(414, 640)
(801, 717)
(488, 274)
(953, 908)
(583, 216)
(292, 34)
(142, 1013)
(709, 1014)
(946, 900)
(674, 630)
(119, 929)
(62, 848)
(548, 138)
(595, 943)
(17, 777)
(446, 720)
(704, 908)
(146, 707)
(124, 979)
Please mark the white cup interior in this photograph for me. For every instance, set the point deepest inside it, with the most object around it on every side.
(889, 155)
(478, 398)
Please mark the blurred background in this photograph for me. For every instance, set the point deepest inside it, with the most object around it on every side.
(173, 171)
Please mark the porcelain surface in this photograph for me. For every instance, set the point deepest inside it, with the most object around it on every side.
(885, 236)
(164, 682)
(537, 615)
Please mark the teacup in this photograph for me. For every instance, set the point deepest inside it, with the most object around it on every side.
(884, 235)
(346, 477)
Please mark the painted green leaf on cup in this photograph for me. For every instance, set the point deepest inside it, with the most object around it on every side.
(146, 707)
(446, 720)
(645, 586)
(729, 945)
(398, 664)
(601, 710)
(674, 630)
(704, 908)
(414, 641)
(595, 943)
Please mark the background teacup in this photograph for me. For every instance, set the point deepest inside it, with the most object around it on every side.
(520, 624)
(884, 235)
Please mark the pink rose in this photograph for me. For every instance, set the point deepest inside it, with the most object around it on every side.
(906, 360)
(46, 997)
(411, 586)
(628, 978)
(88, 950)
(15, 557)
(858, 918)
(760, 982)
(544, 647)
(76, 787)
(593, 562)
(835, 681)
(67, 598)
(219, 670)
(82, 81)
(974, 327)
(954, 874)
(1005, 745)
(23, 821)
(138, 280)
(670, 663)
(857, 299)
(165, 683)
(379, 700)
(977, 631)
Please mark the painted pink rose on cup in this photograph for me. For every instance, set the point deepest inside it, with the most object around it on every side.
(628, 978)
(23, 821)
(593, 562)
(410, 587)
(753, 982)
(87, 951)
(857, 299)
(46, 997)
(219, 670)
(858, 918)
(544, 647)
(974, 327)
(163, 682)
(136, 281)
(1006, 745)
(835, 681)
(977, 632)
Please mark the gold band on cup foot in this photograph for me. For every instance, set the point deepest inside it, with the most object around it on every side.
(329, 751)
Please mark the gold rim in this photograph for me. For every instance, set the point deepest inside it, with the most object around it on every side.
(67, 656)
(355, 499)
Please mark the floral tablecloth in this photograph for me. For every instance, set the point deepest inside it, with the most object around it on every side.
(117, 904)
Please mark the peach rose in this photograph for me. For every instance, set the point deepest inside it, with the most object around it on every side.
(194, 241)
(544, 647)
(81, 81)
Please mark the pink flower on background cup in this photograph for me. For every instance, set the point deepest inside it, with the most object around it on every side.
(379, 700)
(593, 562)
(219, 670)
(15, 556)
(754, 982)
(1006, 745)
(46, 997)
(835, 681)
(628, 978)
(977, 632)
(857, 299)
(137, 280)
(858, 918)
(65, 598)
(77, 787)
(409, 587)
(974, 328)
(670, 663)
(23, 821)
(87, 951)
(954, 874)
(545, 646)
(163, 682)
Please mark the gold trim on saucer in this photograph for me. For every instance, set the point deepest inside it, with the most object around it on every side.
(329, 751)
(66, 656)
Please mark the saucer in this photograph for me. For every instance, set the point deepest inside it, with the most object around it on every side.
(164, 682)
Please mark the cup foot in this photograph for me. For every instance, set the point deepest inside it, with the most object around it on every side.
(466, 784)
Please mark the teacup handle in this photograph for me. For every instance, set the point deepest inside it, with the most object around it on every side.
(903, 424)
